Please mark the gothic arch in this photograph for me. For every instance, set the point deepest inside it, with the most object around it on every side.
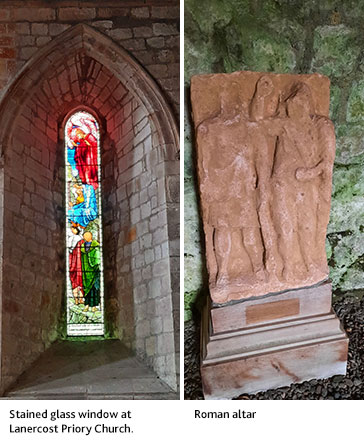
(21, 152)
(83, 38)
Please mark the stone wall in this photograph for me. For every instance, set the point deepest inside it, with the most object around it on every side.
(148, 29)
(284, 36)
(33, 272)
(136, 237)
(80, 69)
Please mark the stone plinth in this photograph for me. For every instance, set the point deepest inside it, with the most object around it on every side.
(265, 154)
(272, 341)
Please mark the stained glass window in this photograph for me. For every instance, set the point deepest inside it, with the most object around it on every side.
(85, 292)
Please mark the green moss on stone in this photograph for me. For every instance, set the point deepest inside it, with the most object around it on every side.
(349, 249)
(194, 267)
(348, 183)
(353, 279)
(335, 96)
(189, 300)
(355, 108)
(350, 144)
(189, 158)
(348, 271)
(268, 53)
(347, 206)
(328, 249)
(354, 10)
(336, 50)
(346, 215)
(227, 36)
(211, 14)
(199, 58)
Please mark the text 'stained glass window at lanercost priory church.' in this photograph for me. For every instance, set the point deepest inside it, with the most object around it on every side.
(85, 293)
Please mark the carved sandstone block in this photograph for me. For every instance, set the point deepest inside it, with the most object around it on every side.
(265, 151)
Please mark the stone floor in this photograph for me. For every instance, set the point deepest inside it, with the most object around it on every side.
(89, 370)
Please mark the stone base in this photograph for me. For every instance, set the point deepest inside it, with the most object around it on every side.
(283, 343)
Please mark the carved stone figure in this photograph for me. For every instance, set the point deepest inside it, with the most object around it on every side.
(228, 183)
(301, 183)
(265, 159)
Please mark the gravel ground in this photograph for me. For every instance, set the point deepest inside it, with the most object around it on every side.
(350, 310)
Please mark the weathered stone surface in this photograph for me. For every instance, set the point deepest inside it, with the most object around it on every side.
(355, 107)
(76, 14)
(140, 12)
(192, 246)
(349, 145)
(335, 50)
(347, 209)
(57, 28)
(348, 251)
(265, 52)
(33, 14)
(288, 354)
(265, 198)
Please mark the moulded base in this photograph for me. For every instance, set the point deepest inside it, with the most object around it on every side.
(262, 356)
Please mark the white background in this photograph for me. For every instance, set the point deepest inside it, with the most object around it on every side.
(292, 422)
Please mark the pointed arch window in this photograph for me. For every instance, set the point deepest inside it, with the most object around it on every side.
(85, 290)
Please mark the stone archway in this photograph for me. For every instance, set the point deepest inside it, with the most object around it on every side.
(83, 68)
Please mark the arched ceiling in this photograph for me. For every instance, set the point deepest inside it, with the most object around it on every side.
(83, 66)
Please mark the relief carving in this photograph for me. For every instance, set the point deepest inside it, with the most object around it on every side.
(265, 159)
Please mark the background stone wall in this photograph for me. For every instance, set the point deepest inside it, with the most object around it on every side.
(298, 36)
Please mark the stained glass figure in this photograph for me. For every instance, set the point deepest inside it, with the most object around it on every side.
(85, 292)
